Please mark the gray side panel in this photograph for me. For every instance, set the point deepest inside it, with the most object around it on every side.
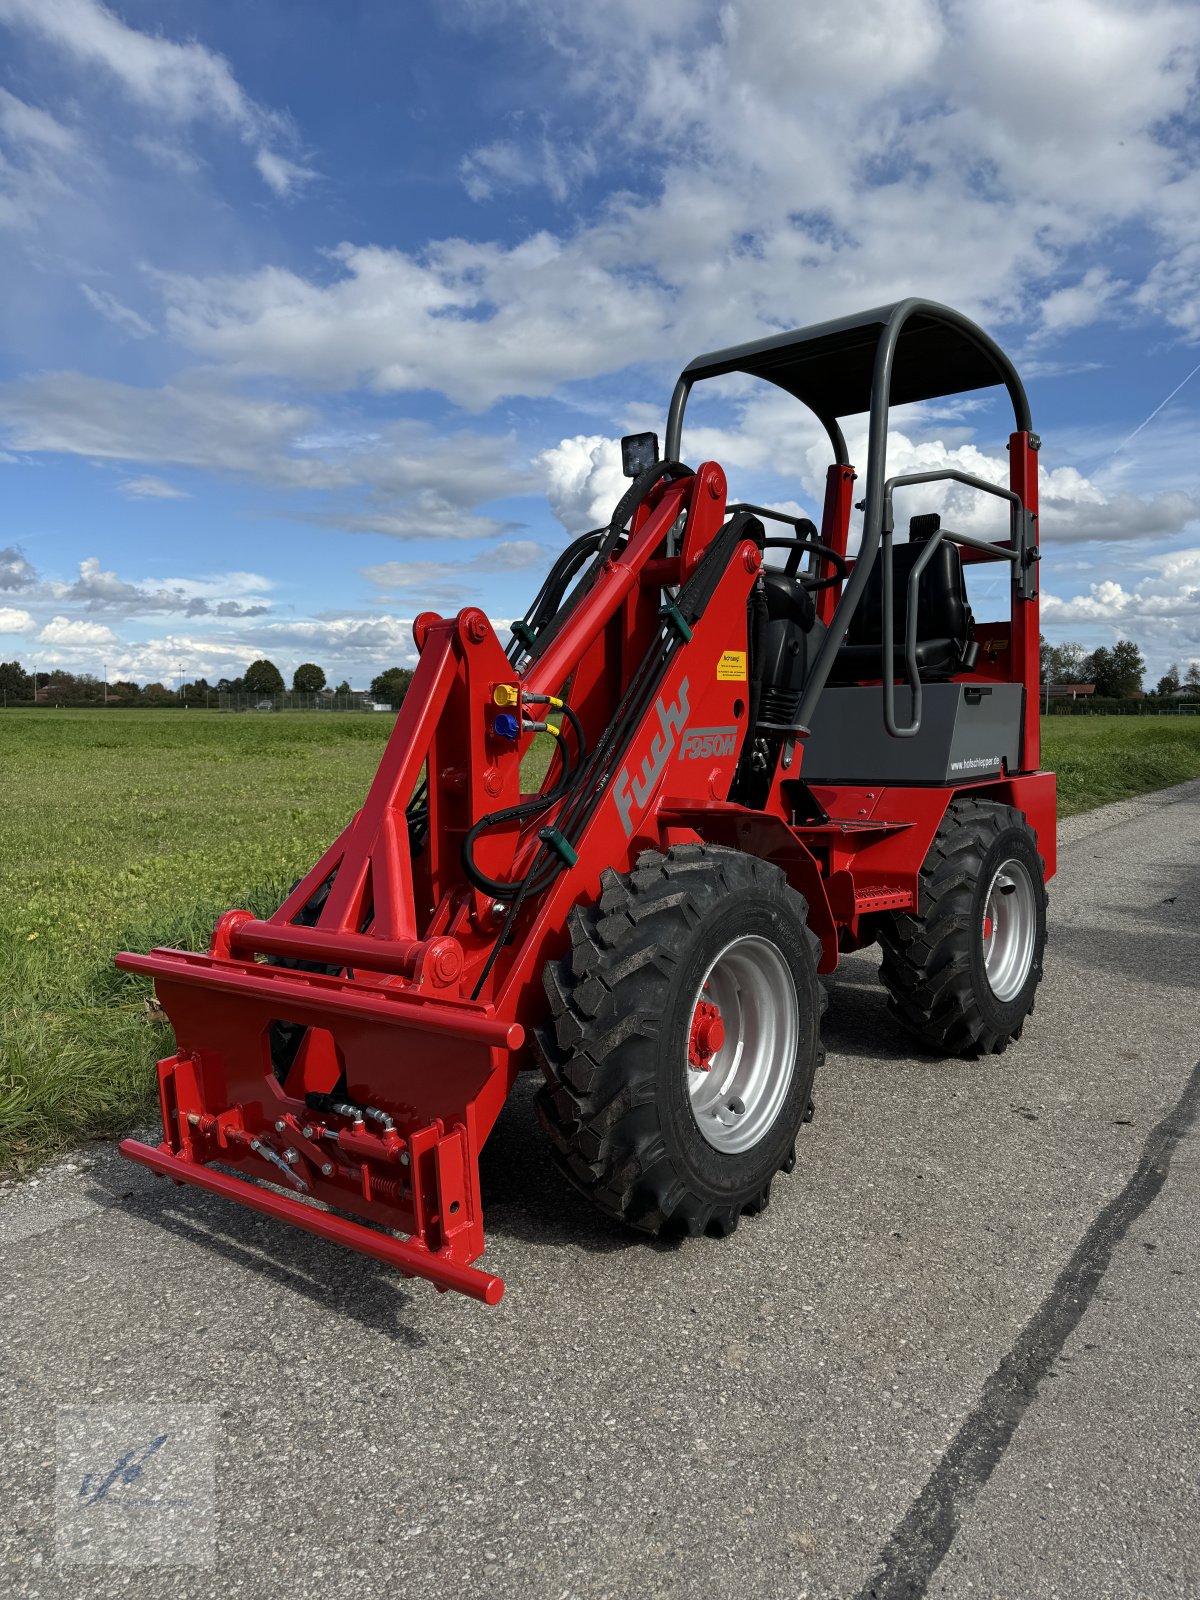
(961, 740)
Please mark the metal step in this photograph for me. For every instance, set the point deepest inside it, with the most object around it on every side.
(882, 897)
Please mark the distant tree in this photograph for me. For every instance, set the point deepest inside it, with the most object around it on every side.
(263, 677)
(1129, 668)
(1046, 658)
(15, 683)
(308, 678)
(124, 691)
(157, 694)
(71, 688)
(1069, 663)
(1117, 673)
(1191, 678)
(1097, 668)
(230, 685)
(1169, 682)
(344, 687)
(391, 686)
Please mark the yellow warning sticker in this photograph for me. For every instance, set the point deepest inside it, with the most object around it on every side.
(731, 668)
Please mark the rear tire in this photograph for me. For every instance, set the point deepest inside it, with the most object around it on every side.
(962, 973)
(683, 1040)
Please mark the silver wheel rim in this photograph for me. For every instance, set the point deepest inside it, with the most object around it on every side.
(737, 1096)
(1009, 929)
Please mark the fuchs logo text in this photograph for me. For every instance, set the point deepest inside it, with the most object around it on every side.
(703, 744)
(632, 794)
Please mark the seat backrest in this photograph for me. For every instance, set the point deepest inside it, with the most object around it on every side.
(942, 609)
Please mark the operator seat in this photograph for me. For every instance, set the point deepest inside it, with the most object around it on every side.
(794, 636)
(945, 626)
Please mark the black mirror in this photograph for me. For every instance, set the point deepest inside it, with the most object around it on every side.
(638, 451)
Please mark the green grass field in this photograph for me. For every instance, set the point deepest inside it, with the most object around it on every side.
(129, 829)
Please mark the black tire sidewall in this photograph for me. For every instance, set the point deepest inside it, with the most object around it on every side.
(1005, 1016)
(723, 1177)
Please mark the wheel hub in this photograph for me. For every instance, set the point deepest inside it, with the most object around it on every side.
(707, 1036)
(741, 1045)
(1009, 929)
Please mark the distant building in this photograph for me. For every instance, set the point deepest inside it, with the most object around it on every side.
(1070, 691)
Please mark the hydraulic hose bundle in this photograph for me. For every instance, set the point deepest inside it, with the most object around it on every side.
(583, 789)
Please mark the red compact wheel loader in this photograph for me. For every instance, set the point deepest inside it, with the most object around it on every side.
(766, 751)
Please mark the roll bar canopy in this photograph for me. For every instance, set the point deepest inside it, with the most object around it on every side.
(912, 350)
(831, 366)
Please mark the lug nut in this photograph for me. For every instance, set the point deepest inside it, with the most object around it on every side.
(327, 1169)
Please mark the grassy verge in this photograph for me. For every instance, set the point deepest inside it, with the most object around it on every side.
(1101, 759)
(130, 829)
(125, 830)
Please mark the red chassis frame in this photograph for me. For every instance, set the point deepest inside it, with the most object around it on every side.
(397, 983)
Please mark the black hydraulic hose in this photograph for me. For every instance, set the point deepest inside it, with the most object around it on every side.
(592, 784)
(760, 621)
(584, 780)
(497, 888)
(611, 539)
(550, 596)
(689, 604)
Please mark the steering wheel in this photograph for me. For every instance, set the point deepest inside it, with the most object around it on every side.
(802, 547)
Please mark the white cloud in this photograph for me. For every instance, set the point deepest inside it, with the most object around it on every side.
(1156, 601)
(36, 154)
(503, 165)
(193, 422)
(424, 516)
(96, 590)
(183, 83)
(14, 620)
(152, 489)
(71, 631)
(15, 571)
(284, 176)
(1077, 305)
(583, 480)
(350, 646)
(419, 482)
(169, 154)
(998, 167)
(236, 594)
(474, 321)
(456, 581)
(29, 125)
(122, 316)
(384, 640)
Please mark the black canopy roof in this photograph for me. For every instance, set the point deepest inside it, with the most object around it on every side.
(830, 366)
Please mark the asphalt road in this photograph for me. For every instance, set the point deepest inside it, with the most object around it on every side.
(957, 1356)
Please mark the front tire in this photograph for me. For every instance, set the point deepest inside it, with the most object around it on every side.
(962, 971)
(683, 1040)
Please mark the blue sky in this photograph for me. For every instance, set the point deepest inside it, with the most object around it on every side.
(316, 316)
